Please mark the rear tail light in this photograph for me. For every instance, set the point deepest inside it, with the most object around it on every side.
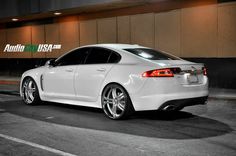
(159, 73)
(204, 71)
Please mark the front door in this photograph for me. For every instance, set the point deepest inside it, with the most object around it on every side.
(58, 80)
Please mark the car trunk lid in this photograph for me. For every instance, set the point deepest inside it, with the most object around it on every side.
(190, 73)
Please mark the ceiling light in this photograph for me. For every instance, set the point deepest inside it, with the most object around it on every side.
(57, 13)
(14, 19)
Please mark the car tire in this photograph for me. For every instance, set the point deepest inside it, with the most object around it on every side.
(30, 93)
(116, 102)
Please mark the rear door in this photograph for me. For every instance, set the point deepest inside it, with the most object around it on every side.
(90, 76)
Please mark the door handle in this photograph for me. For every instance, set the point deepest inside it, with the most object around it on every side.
(101, 69)
(69, 70)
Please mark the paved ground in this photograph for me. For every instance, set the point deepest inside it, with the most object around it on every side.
(55, 129)
(8, 87)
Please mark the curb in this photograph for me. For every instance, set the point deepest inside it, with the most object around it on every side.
(9, 82)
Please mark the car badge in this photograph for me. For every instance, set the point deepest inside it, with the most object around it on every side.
(194, 70)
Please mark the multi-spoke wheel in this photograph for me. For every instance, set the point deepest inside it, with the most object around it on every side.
(116, 102)
(30, 93)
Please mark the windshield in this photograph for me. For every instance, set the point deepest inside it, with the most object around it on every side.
(151, 54)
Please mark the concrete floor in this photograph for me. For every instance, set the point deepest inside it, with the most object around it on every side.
(55, 129)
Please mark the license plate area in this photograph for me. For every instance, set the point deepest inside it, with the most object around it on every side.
(192, 78)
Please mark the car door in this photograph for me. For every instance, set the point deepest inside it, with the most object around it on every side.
(90, 76)
(58, 80)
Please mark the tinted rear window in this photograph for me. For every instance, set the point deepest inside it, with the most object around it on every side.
(98, 55)
(151, 54)
(114, 58)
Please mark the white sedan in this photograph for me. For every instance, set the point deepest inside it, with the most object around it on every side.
(119, 78)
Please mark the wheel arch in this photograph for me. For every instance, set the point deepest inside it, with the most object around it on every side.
(129, 107)
(110, 84)
(116, 84)
(35, 81)
(35, 74)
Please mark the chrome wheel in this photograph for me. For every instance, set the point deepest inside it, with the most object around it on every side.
(29, 91)
(114, 101)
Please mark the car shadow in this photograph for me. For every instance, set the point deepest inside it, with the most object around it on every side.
(162, 115)
(155, 124)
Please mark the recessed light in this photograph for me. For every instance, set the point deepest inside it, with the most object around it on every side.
(14, 19)
(57, 13)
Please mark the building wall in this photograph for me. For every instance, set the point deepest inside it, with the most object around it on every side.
(203, 31)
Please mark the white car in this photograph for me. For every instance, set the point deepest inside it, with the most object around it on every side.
(119, 78)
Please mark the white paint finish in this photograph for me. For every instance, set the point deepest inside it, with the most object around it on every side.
(84, 85)
(88, 81)
(56, 151)
(58, 81)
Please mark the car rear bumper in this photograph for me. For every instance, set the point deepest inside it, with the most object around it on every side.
(157, 92)
(181, 103)
(156, 101)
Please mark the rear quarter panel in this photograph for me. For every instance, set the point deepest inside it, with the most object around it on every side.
(127, 75)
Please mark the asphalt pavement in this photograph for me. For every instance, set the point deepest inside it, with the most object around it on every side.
(57, 129)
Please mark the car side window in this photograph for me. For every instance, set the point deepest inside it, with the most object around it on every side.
(98, 56)
(114, 58)
(75, 57)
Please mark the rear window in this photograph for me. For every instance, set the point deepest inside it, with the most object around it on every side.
(151, 54)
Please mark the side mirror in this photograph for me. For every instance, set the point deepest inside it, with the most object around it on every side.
(50, 63)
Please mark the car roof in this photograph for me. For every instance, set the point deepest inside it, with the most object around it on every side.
(112, 46)
(116, 46)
